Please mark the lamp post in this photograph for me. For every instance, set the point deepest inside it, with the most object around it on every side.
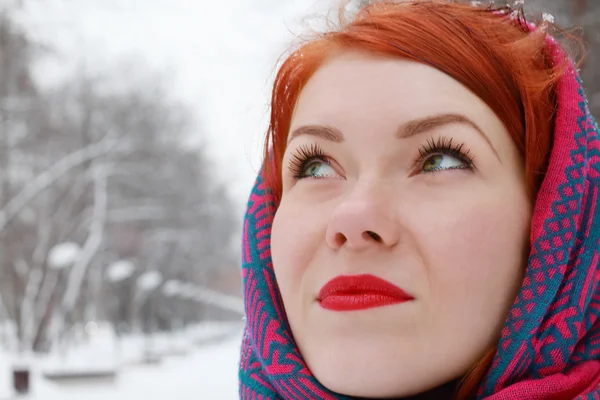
(147, 283)
(188, 293)
(172, 289)
(117, 273)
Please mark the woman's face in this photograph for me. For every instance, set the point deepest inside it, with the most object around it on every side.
(397, 171)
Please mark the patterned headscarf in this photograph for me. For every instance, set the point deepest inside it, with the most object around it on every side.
(550, 343)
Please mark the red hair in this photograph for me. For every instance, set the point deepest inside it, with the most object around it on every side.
(493, 52)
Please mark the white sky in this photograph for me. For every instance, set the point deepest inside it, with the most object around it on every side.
(219, 56)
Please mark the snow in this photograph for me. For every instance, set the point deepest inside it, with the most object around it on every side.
(548, 17)
(187, 290)
(171, 288)
(209, 296)
(120, 270)
(97, 352)
(41, 388)
(204, 295)
(63, 255)
(210, 373)
(150, 280)
(206, 371)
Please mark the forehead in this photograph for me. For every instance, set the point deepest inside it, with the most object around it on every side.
(357, 85)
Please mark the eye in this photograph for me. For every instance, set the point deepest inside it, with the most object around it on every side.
(438, 162)
(442, 155)
(311, 162)
(317, 169)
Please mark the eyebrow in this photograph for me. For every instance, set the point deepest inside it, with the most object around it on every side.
(406, 130)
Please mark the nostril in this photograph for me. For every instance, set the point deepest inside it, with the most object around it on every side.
(340, 239)
(373, 236)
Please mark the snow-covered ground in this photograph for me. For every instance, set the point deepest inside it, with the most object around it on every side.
(208, 373)
(204, 371)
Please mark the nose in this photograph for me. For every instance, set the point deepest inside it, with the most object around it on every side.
(360, 222)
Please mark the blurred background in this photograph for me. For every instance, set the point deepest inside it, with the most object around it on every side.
(130, 135)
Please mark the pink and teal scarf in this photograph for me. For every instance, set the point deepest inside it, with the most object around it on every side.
(550, 344)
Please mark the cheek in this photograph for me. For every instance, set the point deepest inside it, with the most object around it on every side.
(296, 236)
(477, 256)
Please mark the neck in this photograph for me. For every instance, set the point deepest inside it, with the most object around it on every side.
(444, 392)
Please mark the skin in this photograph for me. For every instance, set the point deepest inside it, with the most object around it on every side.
(454, 239)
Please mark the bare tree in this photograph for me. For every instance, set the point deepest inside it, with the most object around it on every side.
(101, 167)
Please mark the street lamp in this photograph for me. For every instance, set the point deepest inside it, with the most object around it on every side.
(119, 270)
(146, 283)
(63, 255)
(175, 290)
(149, 281)
(171, 289)
(116, 273)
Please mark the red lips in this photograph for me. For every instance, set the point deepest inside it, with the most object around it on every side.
(359, 292)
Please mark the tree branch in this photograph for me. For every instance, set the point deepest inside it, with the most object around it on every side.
(49, 176)
(90, 247)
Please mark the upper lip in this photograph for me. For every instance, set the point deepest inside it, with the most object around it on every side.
(347, 285)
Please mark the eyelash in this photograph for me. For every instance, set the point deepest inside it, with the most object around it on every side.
(307, 154)
(444, 145)
(304, 156)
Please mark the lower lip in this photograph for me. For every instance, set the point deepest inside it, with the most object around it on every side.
(358, 301)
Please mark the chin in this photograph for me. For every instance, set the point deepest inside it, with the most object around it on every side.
(351, 368)
(363, 383)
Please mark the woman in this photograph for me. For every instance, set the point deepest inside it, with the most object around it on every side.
(427, 225)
